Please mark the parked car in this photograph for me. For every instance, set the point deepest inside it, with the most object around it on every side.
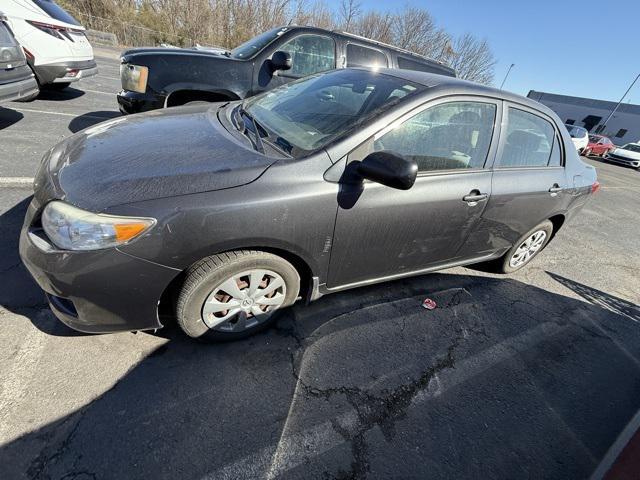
(335, 181)
(56, 47)
(158, 77)
(579, 136)
(16, 79)
(598, 145)
(628, 155)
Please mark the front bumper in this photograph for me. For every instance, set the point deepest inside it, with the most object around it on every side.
(95, 291)
(18, 90)
(133, 102)
(65, 72)
(622, 161)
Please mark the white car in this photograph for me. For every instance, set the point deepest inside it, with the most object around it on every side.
(628, 155)
(579, 136)
(54, 42)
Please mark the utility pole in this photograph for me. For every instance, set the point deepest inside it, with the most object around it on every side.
(604, 124)
(505, 77)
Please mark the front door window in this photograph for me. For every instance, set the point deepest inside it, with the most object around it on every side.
(310, 54)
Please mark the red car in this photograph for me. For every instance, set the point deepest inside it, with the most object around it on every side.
(598, 145)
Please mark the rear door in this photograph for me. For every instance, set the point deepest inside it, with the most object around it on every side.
(529, 181)
(381, 231)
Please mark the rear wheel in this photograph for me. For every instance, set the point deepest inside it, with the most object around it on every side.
(235, 294)
(526, 248)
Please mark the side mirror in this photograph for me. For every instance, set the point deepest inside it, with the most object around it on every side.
(390, 169)
(281, 61)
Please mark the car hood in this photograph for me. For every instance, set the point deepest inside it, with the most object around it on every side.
(176, 151)
(621, 152)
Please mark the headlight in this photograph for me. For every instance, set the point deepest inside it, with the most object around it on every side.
(71, 228)
(134, 77)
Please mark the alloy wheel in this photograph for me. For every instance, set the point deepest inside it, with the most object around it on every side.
(244, 300)
(527, 249)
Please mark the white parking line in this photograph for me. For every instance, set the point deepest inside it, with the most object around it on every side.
(30, 110)
(15, 181)
(97, 91)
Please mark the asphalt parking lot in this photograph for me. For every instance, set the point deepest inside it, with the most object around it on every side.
(533, 375)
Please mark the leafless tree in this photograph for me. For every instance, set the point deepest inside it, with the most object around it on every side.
(473, 59)
(375, 25)
(349, 11)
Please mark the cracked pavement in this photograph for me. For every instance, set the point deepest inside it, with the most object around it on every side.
(532, 375)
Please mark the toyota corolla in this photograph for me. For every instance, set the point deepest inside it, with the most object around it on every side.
(227, 213)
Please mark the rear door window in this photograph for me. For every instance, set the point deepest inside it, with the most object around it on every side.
(359, 56)
(529, 141)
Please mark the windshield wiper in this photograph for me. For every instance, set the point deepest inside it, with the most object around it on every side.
(259, 146)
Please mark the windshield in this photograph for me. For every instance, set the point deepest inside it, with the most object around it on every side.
(308, 114)
(56, 11)
(256, 44)
(632, 147)
(576, 132)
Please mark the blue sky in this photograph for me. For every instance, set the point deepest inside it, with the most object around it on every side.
(558, 46)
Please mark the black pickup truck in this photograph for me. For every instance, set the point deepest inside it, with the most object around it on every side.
(164, 77)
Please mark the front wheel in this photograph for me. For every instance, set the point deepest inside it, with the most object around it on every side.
(526, 248)
(235, 294)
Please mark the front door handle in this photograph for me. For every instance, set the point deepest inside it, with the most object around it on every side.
(474, 197)
(555, 189)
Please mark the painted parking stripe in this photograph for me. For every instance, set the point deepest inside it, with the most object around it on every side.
(15, 181)
(64, 114)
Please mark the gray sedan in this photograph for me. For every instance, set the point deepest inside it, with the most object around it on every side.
(224, 214)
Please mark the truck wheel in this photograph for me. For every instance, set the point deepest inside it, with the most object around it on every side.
(235, 294)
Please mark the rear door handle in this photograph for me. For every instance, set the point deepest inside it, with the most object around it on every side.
(555, 189)
(475, 196)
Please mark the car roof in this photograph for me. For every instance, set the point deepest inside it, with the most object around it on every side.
(353, 36)
(464, 87)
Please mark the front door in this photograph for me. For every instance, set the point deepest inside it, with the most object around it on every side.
(310, 53)
(529, 181)
(383, 232)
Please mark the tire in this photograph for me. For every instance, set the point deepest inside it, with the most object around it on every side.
(209, 285)
(505, 265)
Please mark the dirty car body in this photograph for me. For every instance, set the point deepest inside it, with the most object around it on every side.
(350, 206)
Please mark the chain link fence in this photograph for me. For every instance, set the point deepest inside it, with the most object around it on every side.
(130, 35)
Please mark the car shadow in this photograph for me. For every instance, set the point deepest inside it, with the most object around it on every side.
(54, 95)
(9, 117)
(359, 384)
(92, 118)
